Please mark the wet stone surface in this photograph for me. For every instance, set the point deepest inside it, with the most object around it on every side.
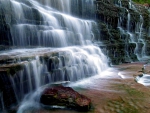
(65, 96)
(115, 91)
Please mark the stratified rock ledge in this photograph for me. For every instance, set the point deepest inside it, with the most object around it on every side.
(65, 96)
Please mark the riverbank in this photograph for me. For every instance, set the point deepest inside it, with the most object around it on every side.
(115, 91)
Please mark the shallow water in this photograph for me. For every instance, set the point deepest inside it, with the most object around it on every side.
(145, 79)
(109, 92)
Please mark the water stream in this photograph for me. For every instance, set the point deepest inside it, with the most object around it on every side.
(55, 38)
(51, 26)
(134, 36)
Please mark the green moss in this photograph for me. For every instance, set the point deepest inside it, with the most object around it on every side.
(15, 69)
(121, 106)
(142, 1)
(12, 69)
(27, 58)
(131, 91)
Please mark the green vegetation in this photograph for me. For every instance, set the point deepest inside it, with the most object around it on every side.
(121, 106)
(141, 1)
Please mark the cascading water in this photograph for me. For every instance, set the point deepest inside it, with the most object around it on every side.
(133, 35)
(47, 23)
(37, 23)
(123, 32)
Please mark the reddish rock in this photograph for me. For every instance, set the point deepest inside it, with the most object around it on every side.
(65, 96)
(146, 4)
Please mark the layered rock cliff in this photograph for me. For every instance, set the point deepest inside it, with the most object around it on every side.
(124, 30)
(123, 35)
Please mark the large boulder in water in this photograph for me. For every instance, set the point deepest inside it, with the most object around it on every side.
(65, 96)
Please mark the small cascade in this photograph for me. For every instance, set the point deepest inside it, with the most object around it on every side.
(132, 31)
(31, 101)
(45, 23)
(124, 35)
(60, 5)
(128, 22)
(130, 4)
(128, 29)
(140, 38)
(50, 66)
(53, 26)
(124, 26)
(118, 3)
(70, 64)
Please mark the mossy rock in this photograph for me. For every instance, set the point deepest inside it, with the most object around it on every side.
(65, 96)
(12, 68)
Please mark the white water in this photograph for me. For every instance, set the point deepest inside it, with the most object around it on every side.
(124, 32)
(145, 79)
(31, 102)
(80, 62)
(130, 4)
(73, 63)
(128, 22)
(47, 23)
(51, 24)
(133, 36)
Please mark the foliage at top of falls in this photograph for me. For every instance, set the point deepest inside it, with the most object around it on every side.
(142, 1)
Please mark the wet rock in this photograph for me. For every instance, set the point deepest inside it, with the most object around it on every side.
(12, 69)
(65, 96)
(108, 12)
(146, 5)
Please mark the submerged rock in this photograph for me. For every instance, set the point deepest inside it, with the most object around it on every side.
(65, 96)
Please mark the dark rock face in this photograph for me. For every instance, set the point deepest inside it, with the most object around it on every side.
(113, 17)
(5, 35)
(65, 96)
(6, 91)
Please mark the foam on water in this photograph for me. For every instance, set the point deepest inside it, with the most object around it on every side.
(145, 79)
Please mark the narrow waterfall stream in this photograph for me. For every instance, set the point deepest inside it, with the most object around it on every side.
(56, 44)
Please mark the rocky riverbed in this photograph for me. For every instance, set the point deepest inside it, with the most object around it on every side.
(115, 91)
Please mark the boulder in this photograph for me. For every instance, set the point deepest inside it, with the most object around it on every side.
(65, 96)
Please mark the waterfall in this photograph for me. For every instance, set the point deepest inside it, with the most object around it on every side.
(128, 22)
(70, 64)
(118, 3)
(54, 29)
(34, 22)
(130, 4)
(58, 30)
(133, 35)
